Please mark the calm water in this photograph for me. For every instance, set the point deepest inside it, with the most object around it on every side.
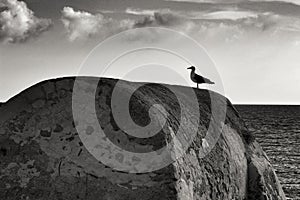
(277, 129)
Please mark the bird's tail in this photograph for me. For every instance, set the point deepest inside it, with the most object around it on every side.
(209, 81)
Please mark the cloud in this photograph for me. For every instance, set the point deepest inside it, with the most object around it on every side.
(135, 11)
(18, 23)
(233, 14)
(82, 25)
(230, 15)
(200, 22)
(163, 18)
(296, 2)
(223, 25)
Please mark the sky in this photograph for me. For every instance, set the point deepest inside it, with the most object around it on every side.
(254, 44)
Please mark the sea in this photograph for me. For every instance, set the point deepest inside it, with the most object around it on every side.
(277, 129)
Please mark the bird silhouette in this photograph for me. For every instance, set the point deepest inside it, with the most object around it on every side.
(197, 78)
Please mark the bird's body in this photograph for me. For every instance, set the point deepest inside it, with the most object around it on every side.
(197, 78)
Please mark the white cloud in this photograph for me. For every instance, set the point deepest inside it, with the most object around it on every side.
(82, 25)
(134, 11)
(219, 26)
(18, 23)
(297, 2)
(226, 14)
(227, 25)
(278, 23)
(230, 15)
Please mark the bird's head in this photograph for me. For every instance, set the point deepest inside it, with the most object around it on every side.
(191, 67)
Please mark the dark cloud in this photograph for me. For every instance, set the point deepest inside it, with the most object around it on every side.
(159, 19)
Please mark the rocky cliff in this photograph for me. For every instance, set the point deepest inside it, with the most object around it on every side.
(43, 157)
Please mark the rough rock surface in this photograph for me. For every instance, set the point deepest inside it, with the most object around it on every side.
(42, 156)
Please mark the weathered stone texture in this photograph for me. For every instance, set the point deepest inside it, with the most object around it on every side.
(42, 156)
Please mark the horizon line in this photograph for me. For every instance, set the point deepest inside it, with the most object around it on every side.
(231, 100)
(266, 103)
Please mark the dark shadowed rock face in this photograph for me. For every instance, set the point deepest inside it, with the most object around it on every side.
(42, 156)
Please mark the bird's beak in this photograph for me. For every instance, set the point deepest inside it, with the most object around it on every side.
(189, 68)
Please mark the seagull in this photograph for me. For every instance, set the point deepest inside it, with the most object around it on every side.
(197, 78)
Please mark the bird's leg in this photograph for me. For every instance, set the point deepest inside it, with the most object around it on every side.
(197, 86)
